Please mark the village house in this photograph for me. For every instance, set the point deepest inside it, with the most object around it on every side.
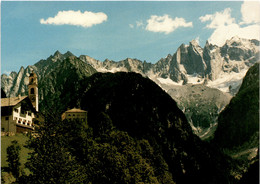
(18, 113)
(74, 114)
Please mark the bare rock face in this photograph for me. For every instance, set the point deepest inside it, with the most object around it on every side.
(201, 106)
(212, 66)
(209, 67)
(208, 64)
(213, 60)
(239, 49)
(7, 81)
(195, 62)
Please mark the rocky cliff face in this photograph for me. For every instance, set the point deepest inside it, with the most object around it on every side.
(209, 67)
(218, 67)
(209, 62)
(53, 74)
(201, 106)
(214, 61)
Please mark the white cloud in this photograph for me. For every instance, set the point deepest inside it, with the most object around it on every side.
(165, 24)
(223, 33)
(225, 27)
(139, 23)
(206, 18)
(131, 26)
(250, 11)
(218, 19)
(76, 18)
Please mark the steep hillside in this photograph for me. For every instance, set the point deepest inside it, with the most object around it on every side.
(54, 88)
(139, 107)
(240, 119)
(238, 124)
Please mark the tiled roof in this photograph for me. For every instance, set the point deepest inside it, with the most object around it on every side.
(75, 110)
(11, 101)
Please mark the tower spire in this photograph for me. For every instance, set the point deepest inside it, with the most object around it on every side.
(33, 90)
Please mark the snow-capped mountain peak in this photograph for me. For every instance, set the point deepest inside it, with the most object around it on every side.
(220, 67)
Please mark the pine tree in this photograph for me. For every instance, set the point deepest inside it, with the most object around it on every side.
(13, 158)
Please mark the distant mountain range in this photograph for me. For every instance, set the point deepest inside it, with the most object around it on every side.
(217, 67)
(204, 89)
(212, 68)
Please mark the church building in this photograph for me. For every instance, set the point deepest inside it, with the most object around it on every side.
(18, 113)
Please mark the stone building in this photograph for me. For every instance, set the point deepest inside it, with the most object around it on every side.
(74, 114)
(18, 113)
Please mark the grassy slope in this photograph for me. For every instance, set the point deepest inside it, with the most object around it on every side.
(6, 141)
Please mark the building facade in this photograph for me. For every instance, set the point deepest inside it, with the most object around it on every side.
(33, 90)
(74, 114)
(18, 113)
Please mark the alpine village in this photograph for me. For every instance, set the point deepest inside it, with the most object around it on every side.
(69, 119)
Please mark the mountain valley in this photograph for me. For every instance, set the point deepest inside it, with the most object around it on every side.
(191, 117)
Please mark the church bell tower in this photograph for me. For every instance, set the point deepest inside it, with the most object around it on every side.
(33, 90)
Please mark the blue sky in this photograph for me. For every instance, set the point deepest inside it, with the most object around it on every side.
(31, 31)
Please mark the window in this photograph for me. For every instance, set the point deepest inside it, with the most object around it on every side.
(16, 110)
(3, 129)
(29, 114)
(32, 80)
(6, 118)
(32, 91)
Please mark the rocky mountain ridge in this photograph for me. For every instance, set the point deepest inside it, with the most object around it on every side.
(189, 64)
(206, 68)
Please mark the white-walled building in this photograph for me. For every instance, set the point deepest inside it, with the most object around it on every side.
(19, 113)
